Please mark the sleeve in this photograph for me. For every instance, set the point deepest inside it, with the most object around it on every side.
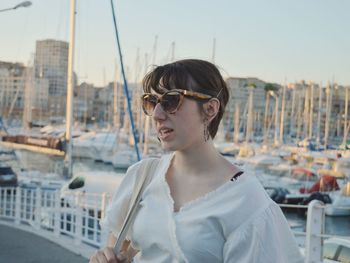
(118, 207)
(265, 238)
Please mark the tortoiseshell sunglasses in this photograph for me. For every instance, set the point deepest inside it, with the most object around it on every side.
(170, 101)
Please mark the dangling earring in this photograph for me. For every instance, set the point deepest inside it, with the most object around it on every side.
(206, 131)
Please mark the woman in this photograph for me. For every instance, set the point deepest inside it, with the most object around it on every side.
(198, 207)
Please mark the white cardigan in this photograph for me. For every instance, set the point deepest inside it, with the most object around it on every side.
(237, 222)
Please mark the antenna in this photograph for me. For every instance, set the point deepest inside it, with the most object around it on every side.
(172, 51)
(154, 50)
(213, 51)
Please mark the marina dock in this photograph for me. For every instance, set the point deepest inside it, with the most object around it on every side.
(21, 246)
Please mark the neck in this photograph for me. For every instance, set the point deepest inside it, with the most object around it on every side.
(197, 160)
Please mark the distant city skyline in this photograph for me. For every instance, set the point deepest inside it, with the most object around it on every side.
(271, 40)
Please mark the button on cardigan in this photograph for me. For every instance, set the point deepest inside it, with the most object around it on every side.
(237, 222)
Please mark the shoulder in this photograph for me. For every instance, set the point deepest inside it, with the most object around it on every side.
(156, 163)
(254, 208)
(250, 190)
(136, 167)
(244, 200)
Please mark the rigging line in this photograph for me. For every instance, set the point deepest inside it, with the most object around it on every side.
(125, 83)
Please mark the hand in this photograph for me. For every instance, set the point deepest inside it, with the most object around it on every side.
(107, 255)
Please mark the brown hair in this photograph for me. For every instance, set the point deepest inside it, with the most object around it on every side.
(190, 74)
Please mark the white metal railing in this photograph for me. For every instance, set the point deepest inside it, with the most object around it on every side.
(77, 215)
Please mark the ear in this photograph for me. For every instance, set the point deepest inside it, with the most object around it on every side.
(211, 108)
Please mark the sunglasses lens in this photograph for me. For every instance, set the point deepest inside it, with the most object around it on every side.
(170, 101)
(149, 102)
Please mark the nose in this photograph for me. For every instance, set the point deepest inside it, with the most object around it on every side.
(159, 114)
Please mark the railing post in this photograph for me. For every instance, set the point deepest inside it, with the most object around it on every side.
(4, 201)
(314, 229)
(18, 206)
(78, 219)
(103, 204)
(104, 232)
(37, 210)
(57, 214)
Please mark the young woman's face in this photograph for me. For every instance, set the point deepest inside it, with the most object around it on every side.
(182, 129)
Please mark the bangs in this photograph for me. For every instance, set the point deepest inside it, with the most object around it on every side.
(167, 77)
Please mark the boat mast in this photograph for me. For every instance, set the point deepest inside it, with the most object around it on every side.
(69, 110)
(282, 113)
(236, 124)
(125, 85)
(147, 119)
(172, 51)
(318, 140)
(328, 102)
(28, 94)
(137, 92)
(306, 111)
(276, 143)
(250, 114)
(346, 117)
(311, 110)
(86, 105)
(266, 117)
(116, 110)
(299, 115)
(154, 50)
(213, 51)
(292, 115)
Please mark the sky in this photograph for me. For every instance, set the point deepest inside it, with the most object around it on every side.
(273, 40)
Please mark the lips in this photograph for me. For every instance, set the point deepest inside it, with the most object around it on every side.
(164, 133)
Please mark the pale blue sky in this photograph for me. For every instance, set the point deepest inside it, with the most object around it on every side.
(268, 39)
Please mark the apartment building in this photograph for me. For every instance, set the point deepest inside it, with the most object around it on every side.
(21, 92)
(51, 62)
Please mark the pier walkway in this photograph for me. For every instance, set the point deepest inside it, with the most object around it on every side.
(21, 246)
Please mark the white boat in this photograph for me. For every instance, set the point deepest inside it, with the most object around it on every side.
(7, 155)
(227, 148)
(299, 177)
(93, 144)
(336, 250)
(340, 205)
(280, 169)
(121, 158)
(35, 179)
(263, 161)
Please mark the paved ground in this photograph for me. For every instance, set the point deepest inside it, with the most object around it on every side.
(17, 246)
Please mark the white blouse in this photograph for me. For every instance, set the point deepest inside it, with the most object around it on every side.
(237, 222)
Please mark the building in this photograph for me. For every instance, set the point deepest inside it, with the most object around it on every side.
(20, 92)
(51, 63)
(84, 97)
(12, 82)
(239, 94)
(319, 111)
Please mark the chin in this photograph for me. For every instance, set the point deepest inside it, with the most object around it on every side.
(169, 146)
